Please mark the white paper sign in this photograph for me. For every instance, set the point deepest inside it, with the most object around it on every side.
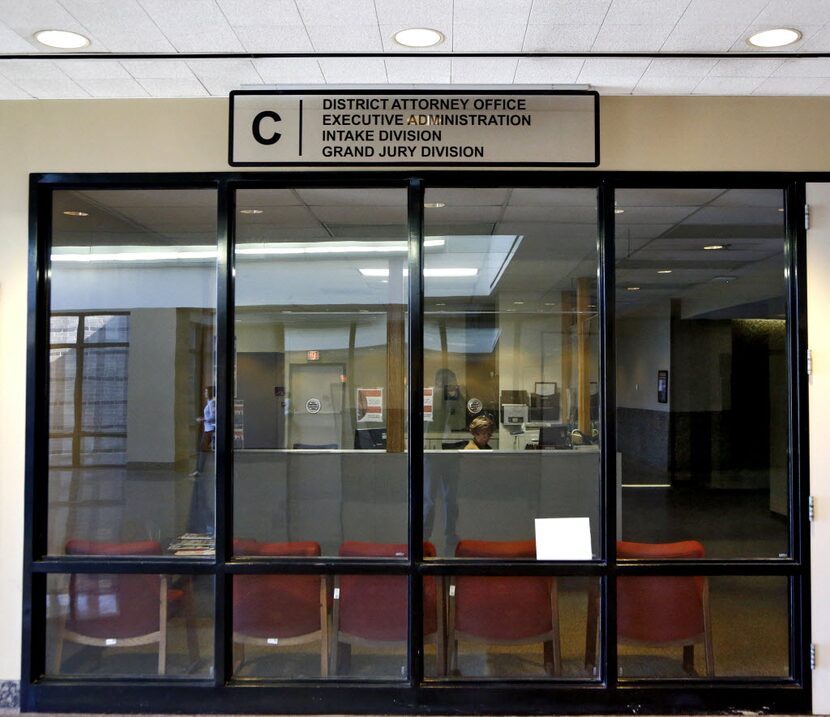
(563, 539)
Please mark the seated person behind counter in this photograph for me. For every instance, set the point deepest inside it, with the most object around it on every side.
(481, 428)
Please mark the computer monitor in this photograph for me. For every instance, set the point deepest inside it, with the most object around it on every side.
(370, 439)
(554, 437)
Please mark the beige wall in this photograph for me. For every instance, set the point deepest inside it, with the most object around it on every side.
(677, 134)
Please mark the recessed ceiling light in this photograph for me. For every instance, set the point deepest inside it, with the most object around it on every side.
(778, 37)
(781, 209)
(434, 205)
(619, 210)
(250, 211)
(632, 288)
(664, 271)
(76, 213)
(62, 39)
(714, 247)
(418, 37)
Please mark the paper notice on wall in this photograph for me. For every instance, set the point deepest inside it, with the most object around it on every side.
(369, 405)
(563, 539)
(428, 395)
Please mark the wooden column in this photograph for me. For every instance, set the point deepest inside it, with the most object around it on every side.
(395, 393)
(583, 351)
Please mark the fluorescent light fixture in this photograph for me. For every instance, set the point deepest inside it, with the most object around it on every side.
(714, 247)
(85, 255)
(619, 210)
(250, 211)
(664, 271)
(632, 288)
(418, 37)
(334, 247)
(62, 39)
(434, 205)
(76, 213)
(778, 37)
(435, 273)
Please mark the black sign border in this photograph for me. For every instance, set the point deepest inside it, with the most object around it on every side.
(372, 91)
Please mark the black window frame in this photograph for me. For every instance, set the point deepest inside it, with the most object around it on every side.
(223, 693)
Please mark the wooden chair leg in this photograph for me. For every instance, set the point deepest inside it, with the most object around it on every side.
(553, 661)
(324, 627)
(592, 626)
(689, 659)
(708, 648)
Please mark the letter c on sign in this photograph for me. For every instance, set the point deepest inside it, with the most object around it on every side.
(255, 128)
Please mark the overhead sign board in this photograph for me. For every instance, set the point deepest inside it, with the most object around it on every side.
(535, 128)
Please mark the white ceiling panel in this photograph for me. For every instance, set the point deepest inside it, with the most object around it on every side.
(122, 27)
(819, 41)
(336, 12)
(273, 38)
(56, 89)
(760, 67)
(473, 11)
(345, 38)
(667, 197)
(256, 12)
(484, 70)
(289, 71)
(173, 87)
(493, 35)
(734, 12)
(527, 197)
(193, 25)
(344, 197)
(108, 88)
(789, 86)
(699, 37)
(806, 12)
(728, 86)
(569, 12)
(679, 67)
(94, 70)
(631, 38)
(26, 18)
(10, 91)
(548, 70)
(424, 70)
(158, 69)
(666, 86)
(560, 38)
(806, 67)
(454, 214)
(11, 42)
(642, 12)
(353, 70)
(469, 197)
(436, 14)
(221, 76)
(823, 88)
(613, 72)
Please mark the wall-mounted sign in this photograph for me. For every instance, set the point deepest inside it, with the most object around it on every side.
(313, 405)
(534, 128)
(474, 405)
(369, 405)
(429, 403)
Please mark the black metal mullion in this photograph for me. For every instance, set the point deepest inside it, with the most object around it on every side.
(415, 376)
(606, 284)
(224, 391)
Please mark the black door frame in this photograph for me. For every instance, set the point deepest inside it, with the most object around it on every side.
(222, 693)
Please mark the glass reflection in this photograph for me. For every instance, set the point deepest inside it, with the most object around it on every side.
(132, 326)
(702, 416)
(511, 363)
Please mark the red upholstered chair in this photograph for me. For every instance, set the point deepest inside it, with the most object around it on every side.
(504, 609)
(280, 610)
(665, 611)
(372, 609)
(116, 610)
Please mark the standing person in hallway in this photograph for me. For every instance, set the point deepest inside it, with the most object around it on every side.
(208, 421)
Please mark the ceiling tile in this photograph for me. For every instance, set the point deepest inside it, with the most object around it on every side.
(337, 12)
(823, 88)
(11, 42)
(548, 70)
(532, 197)
(804, 67)
(420, 70)
(667, 197)
(569, 12)
(94, 70)
(761, 67)
(727, 86)
(193, 25)
(492, 36)
(631, 38)
(158, 69)
(113, 87)
(289, 71)
(679, 67)
(10, 91)
(256, 12)
(710, 37)
(123, 26)
(795, 12)
(53, 89)
(273, 38)
(468, 12)
(734, 12)
(26, 18)
(789, 86)
(476, 197)
(173, 87)
(655, 86)
(560, 38)
(436, 14)
(17, 70)
(345, 38)
(353, 70)
(612, 71)
(387, 36)
(643, 12)
(484, 70)
(819, 41)
(221, 76)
